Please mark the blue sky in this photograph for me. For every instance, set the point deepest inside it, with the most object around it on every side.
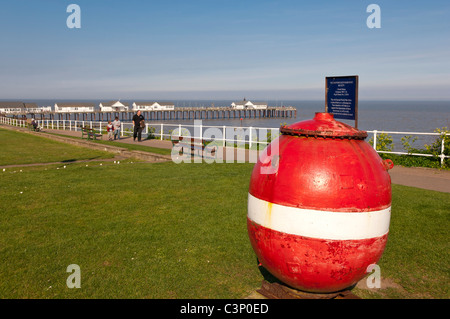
(222, 49)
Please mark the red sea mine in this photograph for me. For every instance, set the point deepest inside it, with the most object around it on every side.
(319, 205)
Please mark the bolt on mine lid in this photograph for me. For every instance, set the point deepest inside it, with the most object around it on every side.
(323, 125)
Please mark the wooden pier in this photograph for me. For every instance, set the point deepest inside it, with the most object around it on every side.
(180, 113)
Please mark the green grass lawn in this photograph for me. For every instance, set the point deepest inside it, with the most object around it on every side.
(166, 230)
(21, 148)
(137, 147)
(417, 253)
(135, 230)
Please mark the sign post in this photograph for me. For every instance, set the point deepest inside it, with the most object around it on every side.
(341, 97)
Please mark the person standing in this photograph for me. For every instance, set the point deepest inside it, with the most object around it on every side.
(116, 125)
(138, 119)
(109, 129)
(35, 125)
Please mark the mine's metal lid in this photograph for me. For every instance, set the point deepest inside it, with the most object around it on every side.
(323, 125)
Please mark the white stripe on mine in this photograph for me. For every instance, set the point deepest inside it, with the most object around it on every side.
(318, 223)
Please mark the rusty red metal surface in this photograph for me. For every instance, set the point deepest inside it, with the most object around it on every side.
(311, 264)
(323, 125)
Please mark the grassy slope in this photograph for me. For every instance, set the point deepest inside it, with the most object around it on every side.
(22, 148)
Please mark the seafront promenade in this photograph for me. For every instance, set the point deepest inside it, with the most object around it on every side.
(425, 178)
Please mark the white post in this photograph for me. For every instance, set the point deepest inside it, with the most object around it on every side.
(250, 139)
(162, 130)
(121, 129)
(375, 140)
(224, 134)
(442, 151)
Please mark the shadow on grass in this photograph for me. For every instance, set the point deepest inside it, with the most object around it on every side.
(69, 161)
(73, 160)
(267, 275)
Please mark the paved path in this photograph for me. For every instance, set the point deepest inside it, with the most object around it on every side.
(426, 178)
(128, 140)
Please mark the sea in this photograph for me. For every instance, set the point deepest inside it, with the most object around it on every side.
(392, 116)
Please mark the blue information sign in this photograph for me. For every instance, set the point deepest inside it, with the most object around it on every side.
(342, 97)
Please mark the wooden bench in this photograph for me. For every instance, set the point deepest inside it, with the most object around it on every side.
(90, 133)
(194, 145)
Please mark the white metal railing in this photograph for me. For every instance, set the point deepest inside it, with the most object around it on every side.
(441, 156)
(238, 136)
(225, 135)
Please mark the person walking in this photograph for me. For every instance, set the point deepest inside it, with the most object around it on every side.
(116, 126)
(138, 122)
